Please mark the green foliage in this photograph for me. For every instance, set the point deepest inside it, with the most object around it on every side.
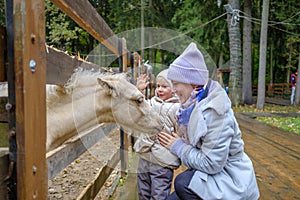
(213, 36)
(192, 17)
(121, 181)
(63, 33)
(271, 108)
(291, 124)
(2, 13)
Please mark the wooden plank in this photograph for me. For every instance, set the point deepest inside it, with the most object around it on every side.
(2, 49)
(125, 154)
(135, 66)
(268, 131)
(4, 163)
(275, 155)
(124, 55)
(261, 172)
(130, 188)
(277, 172)
(60, 66)
(95, 185)
(3, 112)
(29, 48)
(86, 16)
(61, 157)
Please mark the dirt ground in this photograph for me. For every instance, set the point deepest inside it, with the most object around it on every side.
(69, 183)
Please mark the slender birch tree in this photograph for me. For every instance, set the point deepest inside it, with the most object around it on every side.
(262, 57)
(247, 55)
(235, 78)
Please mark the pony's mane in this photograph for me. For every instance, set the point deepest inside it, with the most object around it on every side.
(81, 79)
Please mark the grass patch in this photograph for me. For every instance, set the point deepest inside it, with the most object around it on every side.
(291, 124)
(271, 108)
(3, 135)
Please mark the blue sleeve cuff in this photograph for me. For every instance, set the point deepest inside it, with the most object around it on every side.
(177, 147)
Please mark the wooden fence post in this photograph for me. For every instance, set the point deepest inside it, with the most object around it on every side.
(2, 56)
(123, 135)
(30, 82)
(124, 55)
(135, 65)
(4, 163)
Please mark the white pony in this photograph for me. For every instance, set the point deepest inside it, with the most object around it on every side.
(90, 98)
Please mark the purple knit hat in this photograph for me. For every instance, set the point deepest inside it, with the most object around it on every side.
(189, 67)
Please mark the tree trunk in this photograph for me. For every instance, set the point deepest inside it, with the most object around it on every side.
(247, 55)
(2, 53)
(235, 79)
(271, 64)
(262, 57)
(288, 71)
(297, 94)
(162, 58)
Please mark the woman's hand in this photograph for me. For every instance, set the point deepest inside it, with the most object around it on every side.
(142, 82)
(166, 139)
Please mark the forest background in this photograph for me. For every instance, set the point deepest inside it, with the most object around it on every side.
(210, 23)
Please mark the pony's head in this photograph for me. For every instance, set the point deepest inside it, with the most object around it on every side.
(128, 106)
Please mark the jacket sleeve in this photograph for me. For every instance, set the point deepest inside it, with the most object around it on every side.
(143, 144)
(211, 152)
(170, 119)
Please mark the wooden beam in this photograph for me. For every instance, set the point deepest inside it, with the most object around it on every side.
(86, 16)
(30, 80)
(61, 157)
(4, 163)
(3, 111)
(2, 49)
(60, 66)
(124, 55)
(92, 189)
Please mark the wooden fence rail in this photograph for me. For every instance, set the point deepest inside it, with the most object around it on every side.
(34, 69)
(280, 90)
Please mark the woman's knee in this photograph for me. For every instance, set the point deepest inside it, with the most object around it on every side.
(182, 181)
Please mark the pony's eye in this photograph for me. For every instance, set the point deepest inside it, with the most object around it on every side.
(140, 100)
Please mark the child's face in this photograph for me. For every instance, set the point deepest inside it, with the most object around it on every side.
(163, 89)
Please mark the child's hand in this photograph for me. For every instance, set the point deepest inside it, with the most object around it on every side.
(142, 82)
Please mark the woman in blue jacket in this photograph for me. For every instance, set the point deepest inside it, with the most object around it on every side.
(212, 148)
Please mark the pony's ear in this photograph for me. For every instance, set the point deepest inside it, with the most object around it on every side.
(107, 85)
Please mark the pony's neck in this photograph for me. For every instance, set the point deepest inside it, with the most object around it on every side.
(103, 107)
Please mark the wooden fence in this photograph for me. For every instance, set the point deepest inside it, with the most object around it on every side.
(279, 90)
(32, 64)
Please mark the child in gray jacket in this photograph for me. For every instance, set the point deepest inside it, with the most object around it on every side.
(157, 163)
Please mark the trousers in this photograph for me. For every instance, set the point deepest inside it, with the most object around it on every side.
(182, 192)
(154, 181)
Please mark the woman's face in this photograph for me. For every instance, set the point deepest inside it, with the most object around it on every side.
(183, 90)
